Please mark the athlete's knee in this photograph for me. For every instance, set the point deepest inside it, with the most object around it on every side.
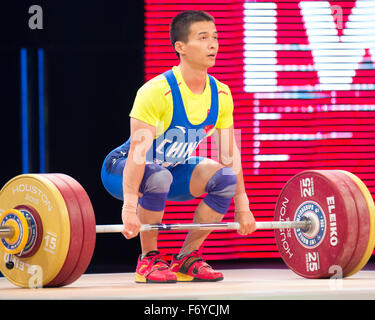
(221, 189)
(156, 179)
(154, 187)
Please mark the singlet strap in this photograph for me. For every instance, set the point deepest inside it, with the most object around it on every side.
(178, 104)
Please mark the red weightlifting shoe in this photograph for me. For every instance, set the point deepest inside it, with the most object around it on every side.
(153, 269)
(192, 267)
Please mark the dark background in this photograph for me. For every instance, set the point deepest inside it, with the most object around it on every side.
(93, 69)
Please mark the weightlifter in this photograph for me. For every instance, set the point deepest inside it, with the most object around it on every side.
(171, 115)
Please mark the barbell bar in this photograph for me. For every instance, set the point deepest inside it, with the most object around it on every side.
(8, 231)
(303, 224)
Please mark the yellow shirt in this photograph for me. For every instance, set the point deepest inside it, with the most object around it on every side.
(154, 104)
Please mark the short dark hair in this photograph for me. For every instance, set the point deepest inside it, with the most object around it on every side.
(180, 26)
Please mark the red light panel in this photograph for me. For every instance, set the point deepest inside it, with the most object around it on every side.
(302, 76)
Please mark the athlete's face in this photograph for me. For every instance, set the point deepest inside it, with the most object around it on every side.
(202, 46)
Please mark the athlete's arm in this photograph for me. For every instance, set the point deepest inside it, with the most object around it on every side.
(142, 135)
(230, 156)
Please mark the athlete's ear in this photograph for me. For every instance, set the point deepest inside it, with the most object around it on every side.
(179, 46)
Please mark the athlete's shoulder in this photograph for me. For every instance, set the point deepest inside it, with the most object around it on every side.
(156, 85)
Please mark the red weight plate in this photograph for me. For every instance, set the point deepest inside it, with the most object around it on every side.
(89, 227)
(331, 241)
(76, 231)
(363, 215)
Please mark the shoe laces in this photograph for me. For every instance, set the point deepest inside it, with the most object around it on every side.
(197, 259)
(158, 258)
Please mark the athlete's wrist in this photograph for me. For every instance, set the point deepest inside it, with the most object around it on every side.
(128, 212)
(130, 204)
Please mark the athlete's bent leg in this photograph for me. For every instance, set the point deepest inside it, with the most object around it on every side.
(154, 189)
(219, 183)
(153, 192)
(151, 266)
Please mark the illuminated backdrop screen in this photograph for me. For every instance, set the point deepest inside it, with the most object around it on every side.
(302, 76)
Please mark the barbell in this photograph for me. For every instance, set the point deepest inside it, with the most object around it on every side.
(324, 220)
